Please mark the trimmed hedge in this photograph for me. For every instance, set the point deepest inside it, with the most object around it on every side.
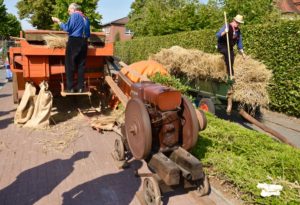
(276, 45)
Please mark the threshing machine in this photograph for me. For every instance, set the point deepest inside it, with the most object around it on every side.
(32, 60)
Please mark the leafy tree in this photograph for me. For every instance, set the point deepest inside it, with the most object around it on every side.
(2, 10)
(40, 11)
(160, 17)
(117, 37)
(87, 6)
(255, 11)
(10, 26)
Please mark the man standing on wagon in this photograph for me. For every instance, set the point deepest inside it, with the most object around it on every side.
(78, 28)
(235, 37)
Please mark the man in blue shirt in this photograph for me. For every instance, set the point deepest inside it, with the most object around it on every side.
(234, 36)
(78, 28)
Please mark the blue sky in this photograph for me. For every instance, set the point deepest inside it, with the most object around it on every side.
(109, 9)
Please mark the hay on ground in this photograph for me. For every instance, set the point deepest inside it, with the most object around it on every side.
(251, 76)
(54, 41)
(107, 122)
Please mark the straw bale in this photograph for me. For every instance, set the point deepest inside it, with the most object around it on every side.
(251, 76)
(54, 41)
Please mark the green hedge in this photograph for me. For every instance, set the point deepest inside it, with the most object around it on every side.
(277, 45)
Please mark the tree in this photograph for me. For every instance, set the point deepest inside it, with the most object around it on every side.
(254, 11)
(10, 26)
(117, 37)
(160, 17)
(40, 11)
(2, 10)
(88, 7)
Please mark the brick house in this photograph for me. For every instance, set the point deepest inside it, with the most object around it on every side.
(116, 30)
(289, 7)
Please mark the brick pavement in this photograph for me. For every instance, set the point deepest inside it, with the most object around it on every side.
(39, 167)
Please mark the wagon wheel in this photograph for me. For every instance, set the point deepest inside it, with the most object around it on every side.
(151, 191)
(138, 128)
(190, 124)
(203, 186)
(119, 151)
(207, 105)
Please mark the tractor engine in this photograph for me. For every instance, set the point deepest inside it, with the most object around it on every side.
(159, 119)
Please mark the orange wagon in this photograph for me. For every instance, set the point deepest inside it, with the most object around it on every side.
(35, 62)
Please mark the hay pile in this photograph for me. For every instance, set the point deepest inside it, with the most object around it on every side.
(54, 41)
(251, 81)
(193, 63)
(251, 76)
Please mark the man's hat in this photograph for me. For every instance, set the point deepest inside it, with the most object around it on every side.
(239, 18)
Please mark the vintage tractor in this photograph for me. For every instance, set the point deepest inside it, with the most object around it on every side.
(161, 126)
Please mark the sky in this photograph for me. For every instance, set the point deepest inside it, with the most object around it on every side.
(109, 9)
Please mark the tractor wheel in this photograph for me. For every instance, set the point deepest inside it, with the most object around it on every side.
(151, 191)
(119, 151)
(203, 187)
(206, 104)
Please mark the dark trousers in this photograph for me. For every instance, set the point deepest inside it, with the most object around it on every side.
(76, 53)
(224, 51)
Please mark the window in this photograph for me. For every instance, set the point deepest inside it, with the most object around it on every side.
(106, 30)
(127, 31)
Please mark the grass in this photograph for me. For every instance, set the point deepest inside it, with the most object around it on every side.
(245, 158)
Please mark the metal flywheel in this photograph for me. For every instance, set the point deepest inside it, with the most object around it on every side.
(190, 124)
(138, 128)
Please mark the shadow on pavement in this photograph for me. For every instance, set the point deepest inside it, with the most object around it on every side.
(4, 123)
(112, 189)
(2, 113)
(37, 182)
(233, 117)
(66, 108)
(4, 95)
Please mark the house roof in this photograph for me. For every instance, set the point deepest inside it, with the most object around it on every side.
(289, 6)
(121, 21)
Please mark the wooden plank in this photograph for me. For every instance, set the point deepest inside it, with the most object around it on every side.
(122, 97)
(38, 35)
(64, 94)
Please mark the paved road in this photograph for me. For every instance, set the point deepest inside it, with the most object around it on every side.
(68, 164)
